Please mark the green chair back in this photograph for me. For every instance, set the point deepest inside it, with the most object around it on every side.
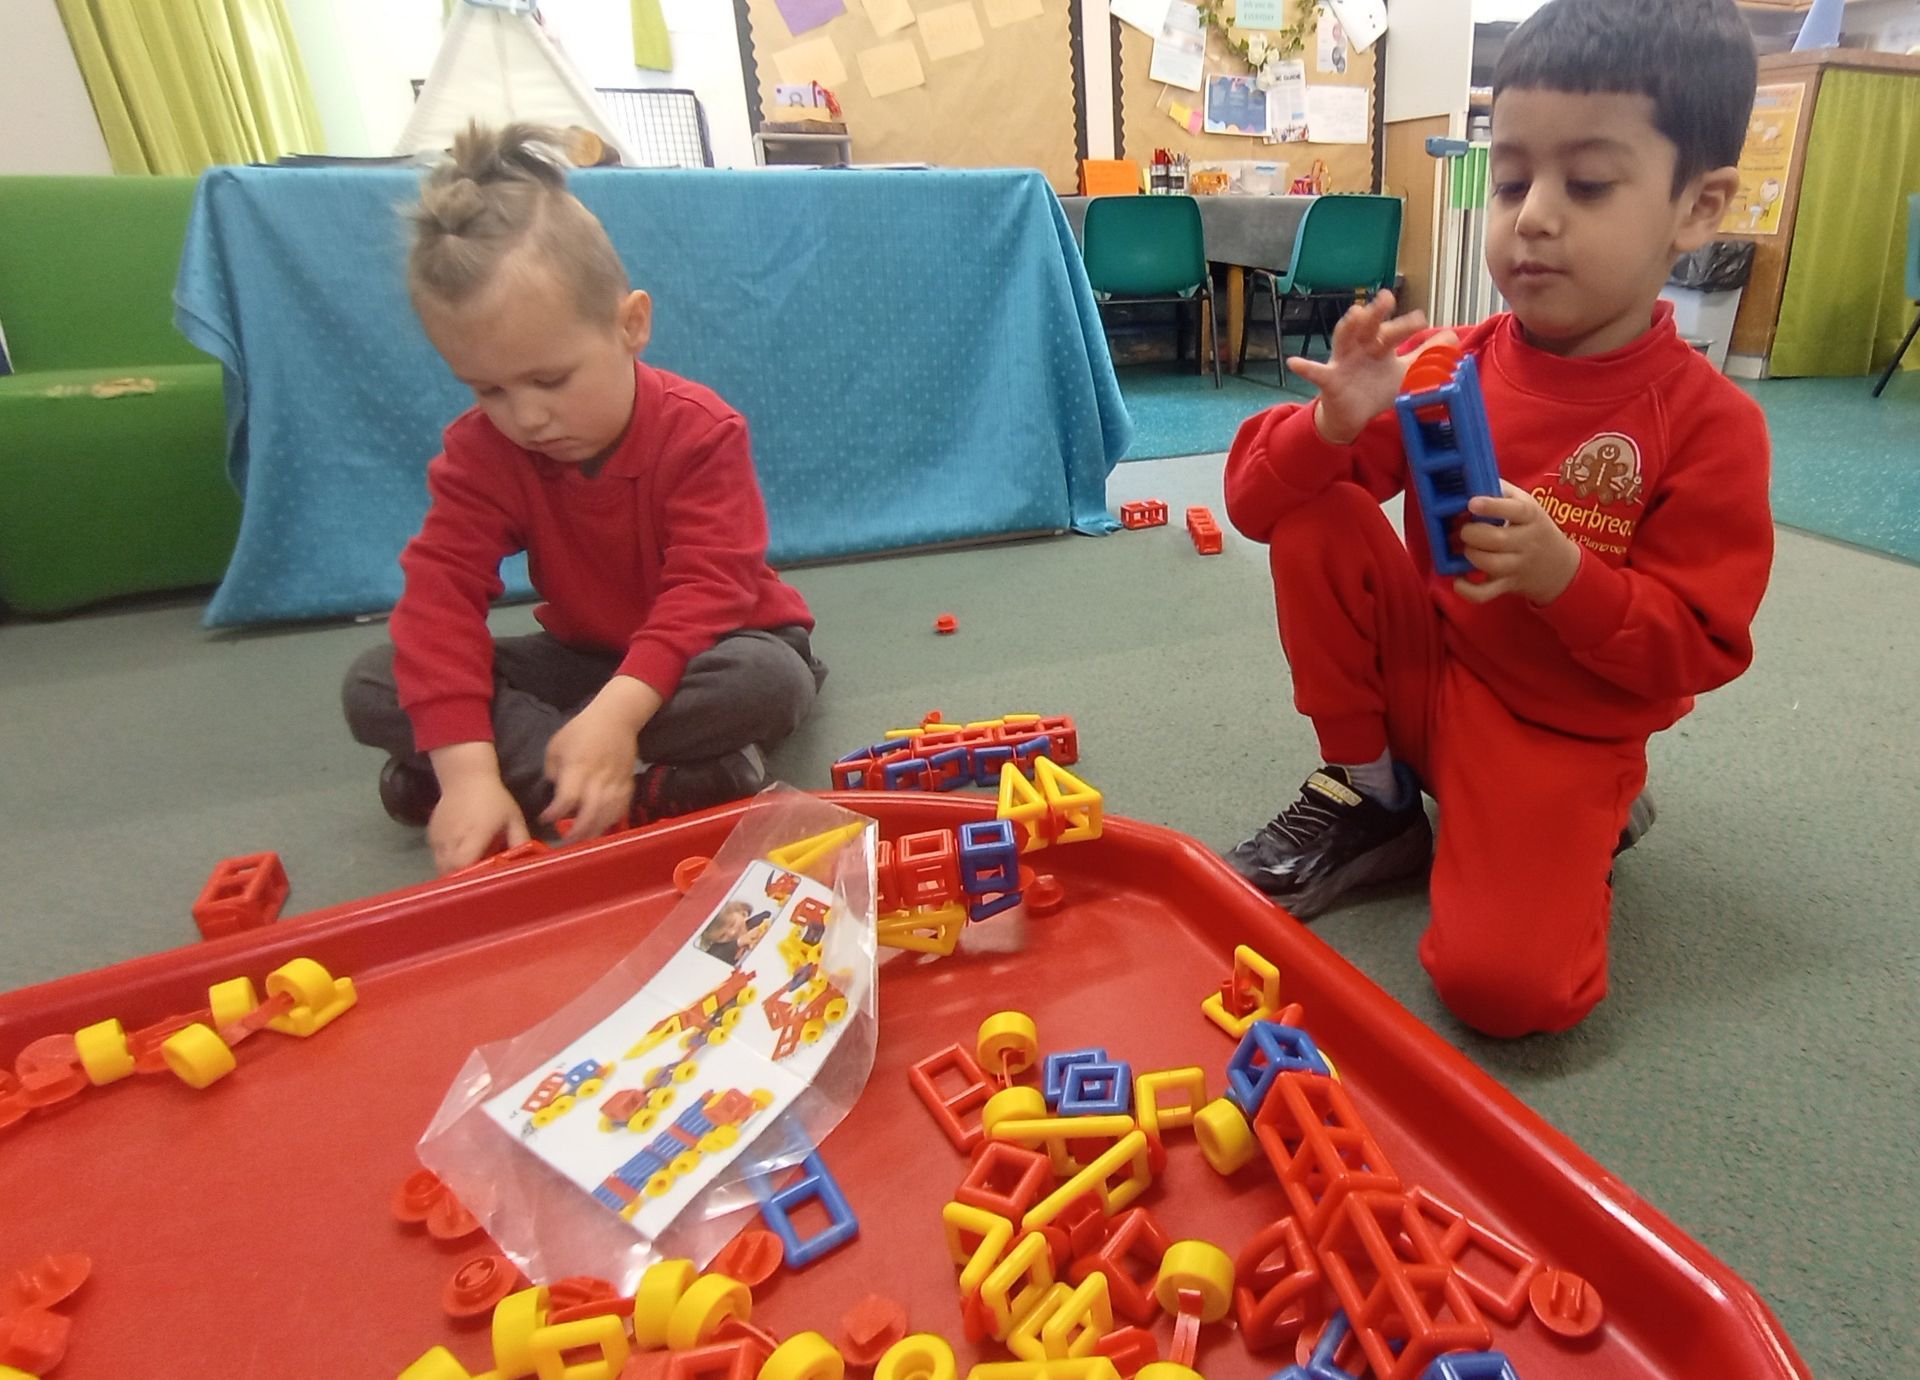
(1144, 246)
(1346, 242)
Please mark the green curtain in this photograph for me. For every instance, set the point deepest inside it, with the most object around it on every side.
(1844, 306)
(652, 49)
(182, 84)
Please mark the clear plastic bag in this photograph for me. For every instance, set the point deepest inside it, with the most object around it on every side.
(552, 1226)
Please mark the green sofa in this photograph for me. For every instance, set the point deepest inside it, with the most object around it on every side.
(104, 495)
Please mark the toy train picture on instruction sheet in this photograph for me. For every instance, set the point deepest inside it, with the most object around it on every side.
(1450, 460)
(646, 1108)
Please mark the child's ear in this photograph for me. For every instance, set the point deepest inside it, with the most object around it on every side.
(1712, 196)
(636, 322)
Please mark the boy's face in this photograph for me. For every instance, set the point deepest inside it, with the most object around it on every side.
(1583, 225)
(548, 378)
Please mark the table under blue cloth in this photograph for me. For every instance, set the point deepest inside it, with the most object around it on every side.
(917, 354)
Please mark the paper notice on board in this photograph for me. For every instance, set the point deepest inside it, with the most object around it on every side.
(1001, 13)
(1363, 20)
(888, 16)
(1180, 52)
(1765, 161)
(1287, 105)
(802, 15)
(815, 60)
(1337, 114)
(1330, 45)
(950, 31)
(1148, 16)
(891, 68)
(1235, 105)
(1260, 14)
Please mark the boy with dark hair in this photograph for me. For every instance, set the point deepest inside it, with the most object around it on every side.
(1628, 551)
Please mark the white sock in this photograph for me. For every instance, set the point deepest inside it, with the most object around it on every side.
(1377, 779)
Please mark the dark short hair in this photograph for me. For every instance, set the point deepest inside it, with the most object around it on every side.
(1693, 57)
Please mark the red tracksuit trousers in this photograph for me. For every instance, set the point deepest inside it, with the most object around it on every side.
(1529, 816)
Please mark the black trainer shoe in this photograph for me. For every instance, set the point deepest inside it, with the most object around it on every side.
(663, 790)
(408, 792)
(1640, 818)
(1332, 839)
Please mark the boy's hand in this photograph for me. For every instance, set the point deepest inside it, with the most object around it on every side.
(472, 813)
(1530, 555)
(1363, 377)
(591, 760)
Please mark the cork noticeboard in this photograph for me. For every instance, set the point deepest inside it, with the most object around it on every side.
(1146, 125)
(1007, 103)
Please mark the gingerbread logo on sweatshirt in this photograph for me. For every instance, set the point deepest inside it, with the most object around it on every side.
(1606, 468)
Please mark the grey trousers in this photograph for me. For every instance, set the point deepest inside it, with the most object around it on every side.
(751, 687)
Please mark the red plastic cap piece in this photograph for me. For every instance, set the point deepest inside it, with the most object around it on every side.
(1565, 1303)
(1046, 895)
(583, 1296)
(449, 1220)
(688, 871)
(33, 1340)
(1432, 368)
(478, 1285)
(869, 1328)
(413, 1201)
(1129, 1348)
(751, 1257)
(946, 624)
(49, 1280)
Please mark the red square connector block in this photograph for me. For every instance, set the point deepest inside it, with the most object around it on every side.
(1320, 1149)
(886, 881)
(949, 1106)
(1130, 1259)
(1147, 512)
(241, 894)
(1278, 1293)
(1006, 1179)
(1496, 1272)
(927, 865)
(1204, 531)
(1401, 1295)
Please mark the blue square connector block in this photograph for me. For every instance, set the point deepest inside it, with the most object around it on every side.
(777, 1206)
(989, 857)
(1053, 1079)
(986, 907)
(1267, 1050)
(987, 762)
(960, 760)
(1027, 749)
(1471, 1365)
(1097, 1088)
(1450, 458)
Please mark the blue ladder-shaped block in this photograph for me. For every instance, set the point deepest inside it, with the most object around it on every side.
(989, 857)
(1450, 461)
(777, 1206)
(1267, 1050)
(1471, 1365)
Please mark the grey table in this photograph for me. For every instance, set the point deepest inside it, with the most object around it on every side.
(1242, 232)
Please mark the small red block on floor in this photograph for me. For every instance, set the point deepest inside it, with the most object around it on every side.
(241, 894)
(946, 624)
(1204, 531)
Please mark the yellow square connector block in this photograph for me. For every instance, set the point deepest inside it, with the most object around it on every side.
(1079, 1323)
(1249, 970)
(607, 1334)
(1129, 1156)
(1166, 1099)
(1052, 1134)
(931, 930)
(1015, 1286)
(809, 856)
(1074, 805)
(995, 1234)
(1023, 1338)
(1023, 802)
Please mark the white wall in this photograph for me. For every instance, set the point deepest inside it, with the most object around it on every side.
(47, 123)
(1429, 58)
(361, 57)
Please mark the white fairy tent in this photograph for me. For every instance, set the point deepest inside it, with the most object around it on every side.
(497, 64)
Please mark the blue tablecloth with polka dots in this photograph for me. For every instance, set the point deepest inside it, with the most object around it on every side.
(917, 354)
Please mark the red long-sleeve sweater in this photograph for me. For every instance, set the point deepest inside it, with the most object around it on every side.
(661, 553)
(1648, 458)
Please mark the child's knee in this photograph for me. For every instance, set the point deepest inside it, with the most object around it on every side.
(784, 684)
(1322, 528)
(1507, 990)
(368, 695)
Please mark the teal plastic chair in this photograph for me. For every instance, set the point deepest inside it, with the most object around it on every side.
(1346, 244)
(1913, 288)
(1150, 249)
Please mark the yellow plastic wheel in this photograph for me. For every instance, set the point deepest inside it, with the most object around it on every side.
(747, 994)
(813, 991)
(684, 1163)
(661, 1289)
(1008, 1043)
(515, 1319)
(305, 981)
(104, 1053)
(922, 1356)
(836, 1009)
(1013, 1104)
(718, 1139)
(561, 1105)
(232, 1000)
(660, 1099)
(660, 1185)
(708, 1303)
(642, 1121)
(1199, 1266)
(720, 1036)
(804, 1356)
(591, 1086)
(544, 1116)
(811, 1032)
(685, 1071)
(1225, 1138)
(731, 1018)
(197, 1055)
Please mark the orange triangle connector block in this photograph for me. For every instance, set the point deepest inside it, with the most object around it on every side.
(1022, 802)
(1074, 805)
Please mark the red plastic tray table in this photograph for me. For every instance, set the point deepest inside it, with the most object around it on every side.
(245, 1230)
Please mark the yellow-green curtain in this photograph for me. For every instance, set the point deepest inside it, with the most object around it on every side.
(182, 84)
(652, 48)
(1844, 307)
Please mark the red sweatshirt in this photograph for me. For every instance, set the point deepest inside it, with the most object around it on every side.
(1648, 458)
(662, 552)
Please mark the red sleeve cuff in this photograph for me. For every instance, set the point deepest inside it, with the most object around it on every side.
(443, 722)
(654, 664)
(1592, 608)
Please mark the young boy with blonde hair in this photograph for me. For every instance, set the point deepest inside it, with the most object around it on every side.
(1626, 556)
(671, 653)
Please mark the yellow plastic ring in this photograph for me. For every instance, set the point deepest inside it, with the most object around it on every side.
(804, 1356)
(642, 1120)
(232, 1000)
(811, 1032)
(515, 1319)
(660, 1185)
(1225, 1138)
(922, 1356)
(103, 1052)
(684, 1071)
(1199, 1266)
(1010, 1036)
(659, 1293)
(1013, 1104)
(719, 1138)
(720, 1036)
(836, 1010)
(305, 981)
(198, 1055)
(591, 1086)
(684, 1163)
(708, 1303)
(1166, 1370)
